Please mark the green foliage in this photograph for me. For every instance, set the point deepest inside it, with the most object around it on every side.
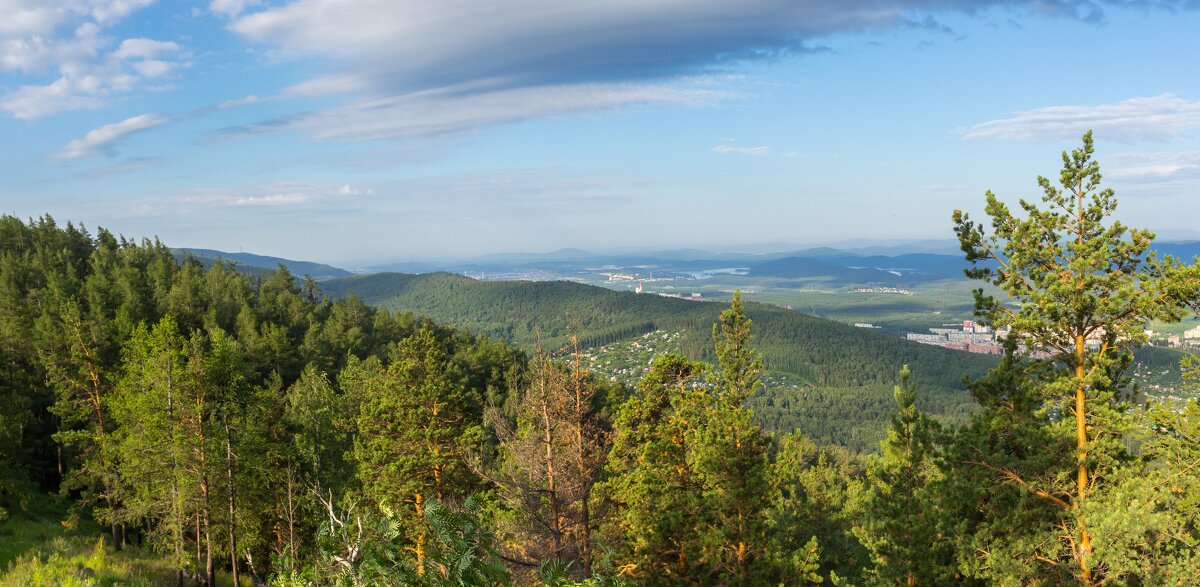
(817, 498)
(374, 550)
(189, 408)
(461, 550)
(838, 376)
(900, 525)
(559, 574)
(739, 371)
(1035, 481)
(655, 494)
(150, 444)
(46, 545)
(414, 423)
(689, 468)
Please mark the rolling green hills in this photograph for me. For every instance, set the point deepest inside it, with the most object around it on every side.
(829, 379)
(845, 373)
(820, 352)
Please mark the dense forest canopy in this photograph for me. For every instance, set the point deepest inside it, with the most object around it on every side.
(177, 424)
(822, 352)
(839, 377)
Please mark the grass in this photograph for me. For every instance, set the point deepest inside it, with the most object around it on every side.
(45, 544)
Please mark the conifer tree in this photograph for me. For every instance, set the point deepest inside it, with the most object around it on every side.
(690, 469)
(731, 453)
(1051, 437)
(817, 495)
(656, 496)
(147, 447)
(413, 425)
(532, 477)
(550, 450)
(900, 525)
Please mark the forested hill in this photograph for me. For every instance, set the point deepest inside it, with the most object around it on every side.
(261, 265)
(821, 352)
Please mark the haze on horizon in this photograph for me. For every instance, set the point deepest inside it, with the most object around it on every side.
(361, 130)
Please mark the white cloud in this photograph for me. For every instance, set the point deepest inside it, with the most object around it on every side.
(417, 43)
(1152, 167)
(349, 190)
(65, 40)
(231, 8)
(24, 18)
(328, 85)
(296, 195)
(227, 104)
(442, 112)
(390, 54)
(102, 139)
(409, 45)
(271, 200)
(1156, 118)
(734, 149)
(33, 102)
(143, 48)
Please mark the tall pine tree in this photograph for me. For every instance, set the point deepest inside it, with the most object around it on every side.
(1052, 435)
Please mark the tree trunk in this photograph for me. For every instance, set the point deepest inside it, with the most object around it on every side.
(176, 507)
(199, 559)
(1085, 540)
(209, 572)
(582, 460)
(291, 517)
(585, 519)
(551, 485)
(233, 559)
(420, 547)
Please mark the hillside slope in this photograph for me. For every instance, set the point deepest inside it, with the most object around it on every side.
(820, 352)
(834, 381)
(261, 264)
(838, 377)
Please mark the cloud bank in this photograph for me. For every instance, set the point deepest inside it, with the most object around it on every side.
(409, 59)
(1156, 118)
(62, 44)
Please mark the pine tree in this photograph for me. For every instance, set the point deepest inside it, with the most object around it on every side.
(817, 499)
(533, 476)
(656, 497)
(900, 524)
(147, 445)
(690, 467)
(551, 451)
(730, 454)
(414, 424)
(1052, 433)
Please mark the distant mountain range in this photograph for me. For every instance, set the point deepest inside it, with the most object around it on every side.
(873, 263)
(252, 263)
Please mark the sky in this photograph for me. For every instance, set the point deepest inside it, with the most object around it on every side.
(364, 131)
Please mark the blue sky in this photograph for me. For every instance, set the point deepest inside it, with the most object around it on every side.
(356, 131)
